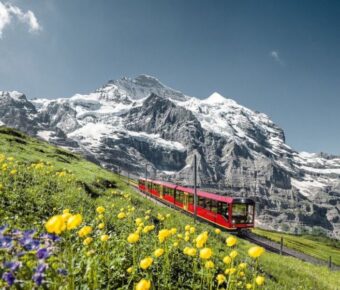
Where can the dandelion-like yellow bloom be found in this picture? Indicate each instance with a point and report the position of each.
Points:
(133, 238)
(121, 215)
(143, 285)
(187, 227)
(66, 216)
(138, 221)
(227, 260)
(168, 215)
(100, 217)
(192, 230)
(55, 224)
(104, 238)
(217, 232)
(173, 231)
(147, 217)
(205, 253)
(256, 252)
(129, 270)
(233, 254)
(259, 280)
(185, 250)
(159, 252)
(220, 279)
(242, 266)
(209, 264)
(146, 263)
(201, 240)
(231, 241)
(84, 231)
(249, 286)
(230, 271)
(163, 234)
(192, 252)
(101, 226)
(87, 241)
(175, 244)
(100, 209)
(74, 221)
(13, 172)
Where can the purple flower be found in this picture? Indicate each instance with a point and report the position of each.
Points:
(43, 253)
(38, 278)
(13, 266)
(52, 237)
(5, 242)
(9, 278)
(62, 272)
(41, 268)
(29, 244)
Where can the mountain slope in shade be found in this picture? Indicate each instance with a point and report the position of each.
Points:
(133, 122)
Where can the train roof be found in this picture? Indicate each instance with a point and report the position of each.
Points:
(203, 193)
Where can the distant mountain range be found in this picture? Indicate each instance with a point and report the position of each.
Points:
(132, 122)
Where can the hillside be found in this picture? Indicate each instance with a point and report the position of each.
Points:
(39, 181)
(131, 122)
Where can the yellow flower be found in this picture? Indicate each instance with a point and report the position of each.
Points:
(146, 263)
(192, 230)
(100, 209)
(129, 270)
(173, 231)
(241, 273)
(191, 252)
(209, 264)
(143, 285)
(230, 271)
(205, 253)
(66, 210)
(133, 238)
(159, 252)
(220, 279)
(163, 234)
(138, 221)
(84, 231)
(242, 266)
(66, 216)
(13, 172)
(101, 226)
(175, 244)
(100, 217)
(248, 286)
(187, 238)
(231, 241)
(255, 252)
(148, 211)
(146, 217)
(187, 227)
(259, 280)
(104, 238)
(55, 224)
(233, 254)
(121, 215)
(87, 241)
(201, 240)
(217, 232)
(168, 215)
(74, 221)
(226, 260)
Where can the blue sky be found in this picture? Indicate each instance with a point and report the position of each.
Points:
(278, 57)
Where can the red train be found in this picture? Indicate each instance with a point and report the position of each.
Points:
(226, 212)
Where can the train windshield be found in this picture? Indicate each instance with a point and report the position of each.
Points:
(242, 213)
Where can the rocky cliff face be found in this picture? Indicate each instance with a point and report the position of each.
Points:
(129, 123)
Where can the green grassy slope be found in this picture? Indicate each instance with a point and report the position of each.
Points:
(318, 247)
(33, 193)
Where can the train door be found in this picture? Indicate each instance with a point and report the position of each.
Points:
(161, 191)
(186, 201)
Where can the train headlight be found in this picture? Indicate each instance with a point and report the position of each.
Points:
(233, 221)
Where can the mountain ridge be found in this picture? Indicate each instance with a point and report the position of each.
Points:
(133, 122)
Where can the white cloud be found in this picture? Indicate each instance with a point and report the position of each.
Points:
(275, 55)
(8, 12)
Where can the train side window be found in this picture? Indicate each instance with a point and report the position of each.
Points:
(191, 199)
(225, 209)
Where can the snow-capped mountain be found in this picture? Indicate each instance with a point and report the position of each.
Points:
(129, 123)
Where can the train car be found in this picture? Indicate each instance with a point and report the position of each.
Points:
(227, 212)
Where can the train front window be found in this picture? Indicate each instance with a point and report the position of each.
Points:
(242, 213)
